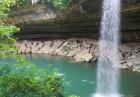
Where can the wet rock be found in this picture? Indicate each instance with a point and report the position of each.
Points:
(123, 66)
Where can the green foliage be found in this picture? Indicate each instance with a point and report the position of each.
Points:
(66, 49)
(25, 80)
(4, 8)
(6, 31)
(62, 4)
(22, 2)
(6, 41)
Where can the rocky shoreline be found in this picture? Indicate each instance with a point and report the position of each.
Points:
(82, 50)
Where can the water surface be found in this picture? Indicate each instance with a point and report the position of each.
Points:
(81, 77)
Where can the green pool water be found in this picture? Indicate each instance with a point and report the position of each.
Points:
(80, 78)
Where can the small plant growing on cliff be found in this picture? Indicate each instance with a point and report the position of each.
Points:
(62, 4)
(66, 49)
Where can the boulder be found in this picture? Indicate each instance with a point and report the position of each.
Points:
(60, 50)
(34, 44)
(135, 61)
(87, 57)
(46, 47)
(85, 44)
(37, 47)
(56, 44)
(74, 44)
(74, 52)
(84, 55)
(29, 46)
(136, 68)
(130, 63)
(18, 44)
(22, 48)
(123, 66)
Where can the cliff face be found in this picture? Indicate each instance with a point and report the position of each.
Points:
(81, 19)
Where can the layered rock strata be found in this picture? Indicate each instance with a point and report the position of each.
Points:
(82, 50)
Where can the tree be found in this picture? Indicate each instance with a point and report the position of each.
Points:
(6, 31)
(62, 4)
(22, 79)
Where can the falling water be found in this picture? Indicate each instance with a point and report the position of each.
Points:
(34, 1)
(108, 73)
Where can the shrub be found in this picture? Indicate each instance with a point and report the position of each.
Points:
(21, 80)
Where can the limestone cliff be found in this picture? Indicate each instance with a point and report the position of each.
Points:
(78, 20)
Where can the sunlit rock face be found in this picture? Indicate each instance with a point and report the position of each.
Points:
(82, 50)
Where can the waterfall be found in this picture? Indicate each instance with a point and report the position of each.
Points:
(107, 72)
(34, 1)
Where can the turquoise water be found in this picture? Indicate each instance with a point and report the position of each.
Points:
(80, 78)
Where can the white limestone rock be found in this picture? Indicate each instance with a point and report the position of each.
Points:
(56, 44)
(85, 44)
(18, 44)
(22, 48)
(34, 44)
(74, 52)
(136, 68)
(46, 47)
(84, 55)
(74, 44)
(37, 48)
(87, 57)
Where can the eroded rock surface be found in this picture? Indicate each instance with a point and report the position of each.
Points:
(82, 50)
